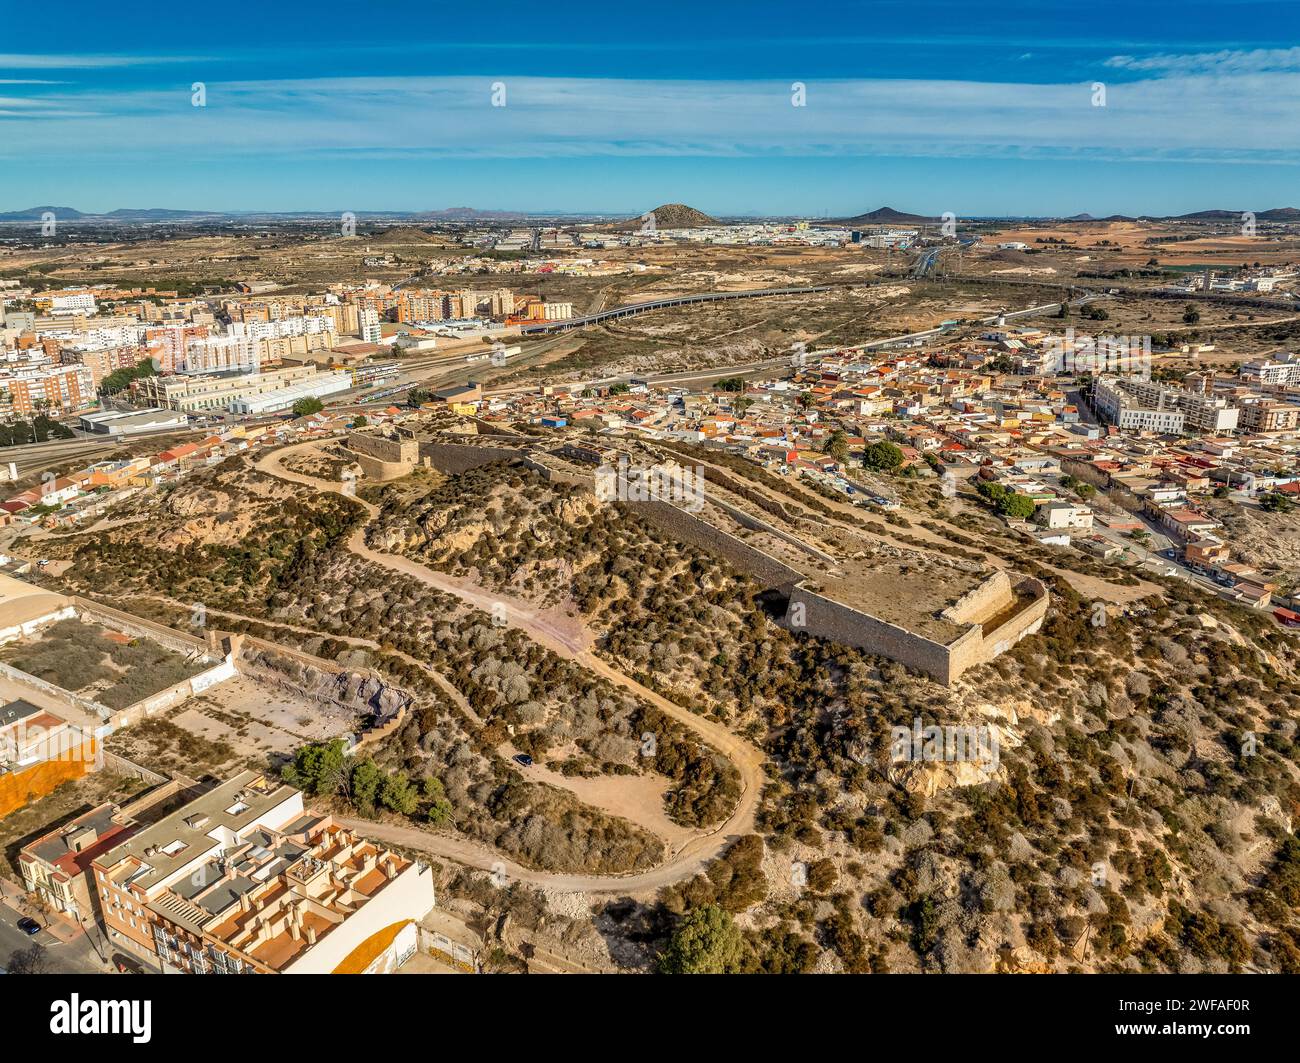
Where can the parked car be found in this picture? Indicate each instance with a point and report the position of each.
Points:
(29, 926)
(127, 964)
(523, 759)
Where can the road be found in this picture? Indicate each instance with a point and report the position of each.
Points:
(925, 262)
(568, 638)
(77, 957)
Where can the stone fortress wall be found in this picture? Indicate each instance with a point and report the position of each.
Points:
(456, 458)
(382, 459)
(996, 614)
(1014, 611)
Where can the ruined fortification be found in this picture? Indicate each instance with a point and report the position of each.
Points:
(382, 459)
(992, 616)
(996, 615)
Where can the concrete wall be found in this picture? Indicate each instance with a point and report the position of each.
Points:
(829, 619)
(983, 601)
(15, 684)
(401, 451)
(454, 458)
(129, 624)
(748, 520)
(18, 631)
(116, 765)
(1025, 622)
(833, 620)
(737, 486)
(557, 475)
(378, 471)
(173, 695)
(689, 528)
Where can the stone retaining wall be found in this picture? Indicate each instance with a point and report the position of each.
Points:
(688, 528)
(826, 618)
(455, 458)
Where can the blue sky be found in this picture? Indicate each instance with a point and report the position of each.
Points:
(977, 108)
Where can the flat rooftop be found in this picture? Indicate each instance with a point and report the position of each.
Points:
(153, 855)
(73, 846)
(909, 592)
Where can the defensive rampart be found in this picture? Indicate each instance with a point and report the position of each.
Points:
(1012, 612)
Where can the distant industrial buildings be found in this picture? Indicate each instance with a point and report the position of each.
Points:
(261, 392)
(276, 400)
(126, 423)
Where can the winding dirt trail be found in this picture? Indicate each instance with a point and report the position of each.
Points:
(568, 637)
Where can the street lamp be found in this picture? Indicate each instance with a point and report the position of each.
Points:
(81, 919)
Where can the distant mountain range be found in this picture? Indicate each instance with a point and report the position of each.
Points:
(667, 216)
(1276, 214)
(1279, 214)
(166, 214)
(72, 214)
(890, 216)
(468, 214)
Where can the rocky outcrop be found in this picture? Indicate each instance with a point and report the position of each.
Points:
(363, 693)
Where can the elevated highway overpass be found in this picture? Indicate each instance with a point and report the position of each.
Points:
(630, 309)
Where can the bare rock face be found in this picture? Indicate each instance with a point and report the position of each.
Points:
(361, 692)
(370, 692)
(393, 539)
(927, 778)
(568, 510)
(977, 760)
(198, 503)
(1022, 960)
(1271, 807)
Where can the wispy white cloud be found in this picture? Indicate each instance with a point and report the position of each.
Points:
(31, 61)
(1226, 62)
(1248, 117)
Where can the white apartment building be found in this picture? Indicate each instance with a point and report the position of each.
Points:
(244, 879)
(1133, 403)
(38, 386)
(1283, 371)
(78, 303)
(368, 326)
(215, 354)
(1201, 412)
(289, 326)
(1056, 515)
(97, 338)
(1118, 407)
